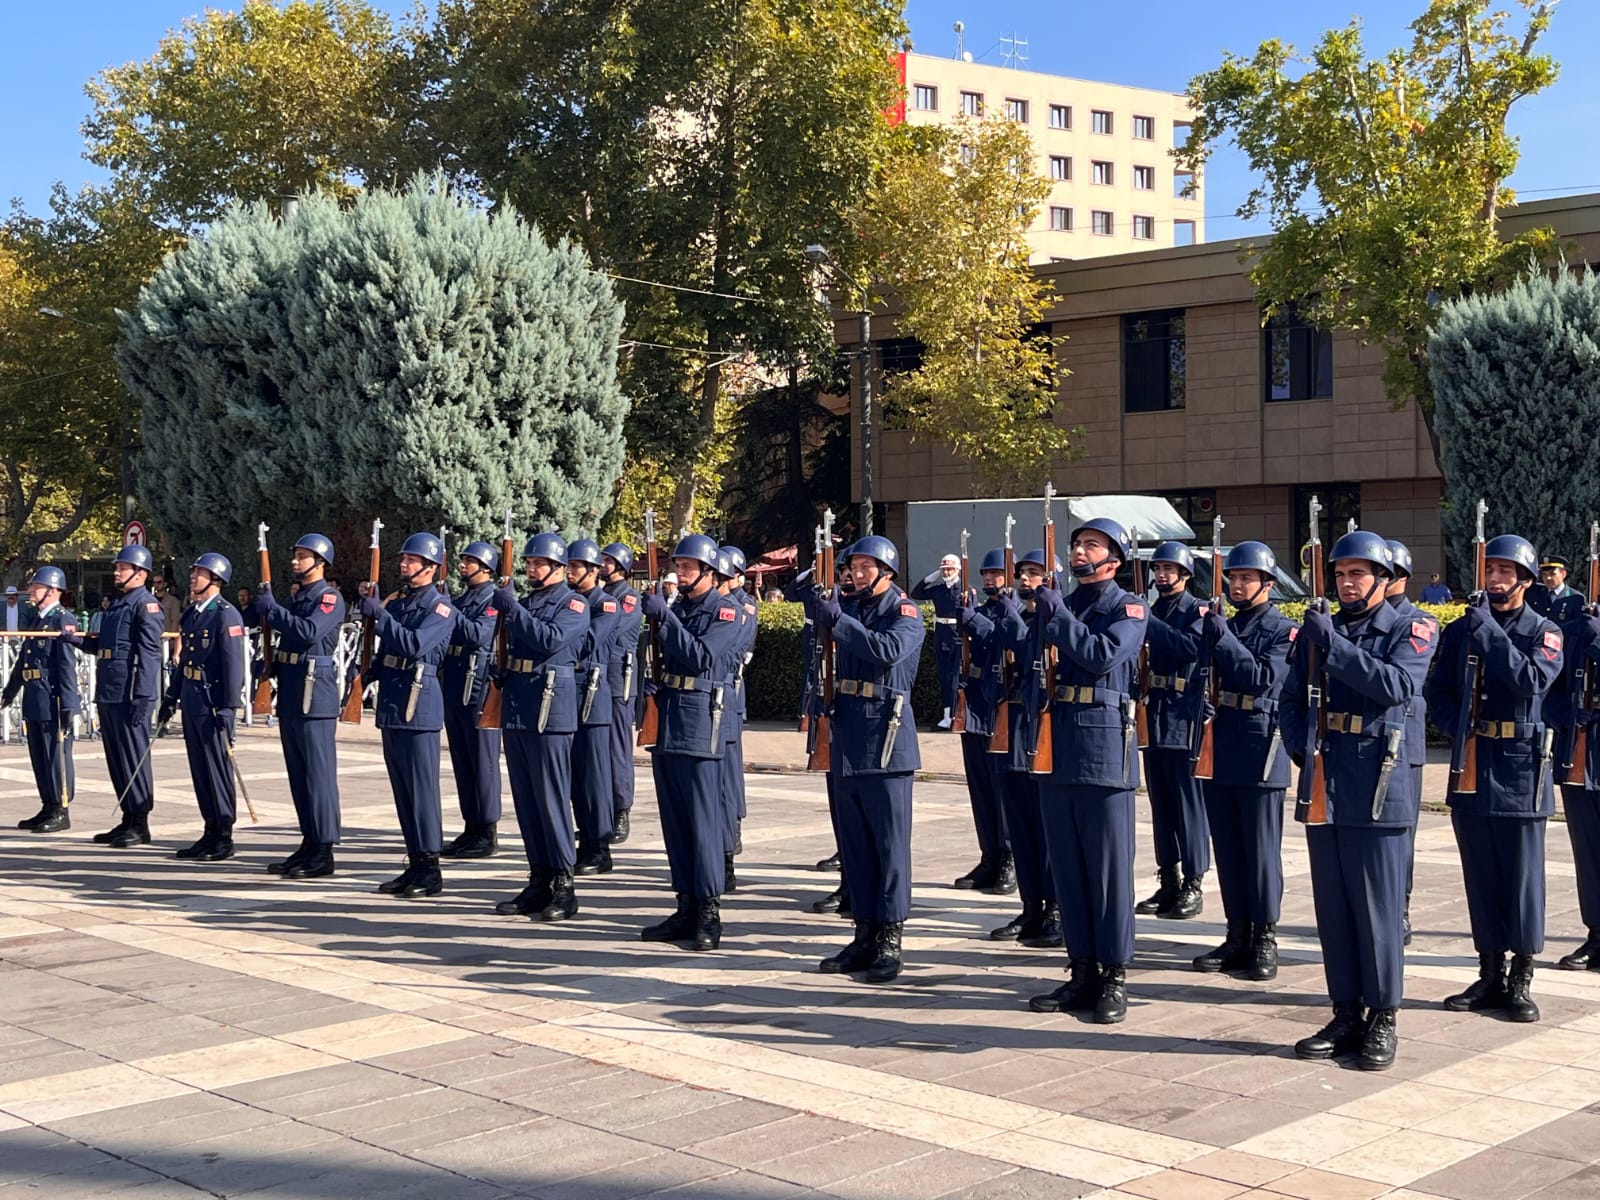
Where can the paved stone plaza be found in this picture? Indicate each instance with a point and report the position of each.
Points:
(178, 1030)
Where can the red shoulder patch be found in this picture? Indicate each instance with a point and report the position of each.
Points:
(609, 606)
(1551, 646)
(751, 609)
(1422, 630)
(152, 607)
(629, 603)
(910, 610)
(235, 631)
(442, 609)
(576, 605)
(1136, 611)
(329, 601)
(1294, 632)
(491, 611)
(725, 614)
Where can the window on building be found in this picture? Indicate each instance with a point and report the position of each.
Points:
(1296, 359)
(1180, 133)
(968, 155)
(1341, 502)
(926, 97)
(1061, 116)
(972, 103)
(1100, 120)
(1102, 223)
(1060, 219)
(1144, 179)
(1154, 361)
(1102, 172)
(1144, 129)
(1183, 185)
(1061, 167)
(1183, 233)
(1144, 229)
(1017, 110)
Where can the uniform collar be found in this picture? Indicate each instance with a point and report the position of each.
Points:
(1091, 597)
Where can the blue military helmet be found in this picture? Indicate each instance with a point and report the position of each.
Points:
(1363, 543)
(621, 555)
(1121, 543)
(584, 550)
(546, 545)
(484, 553)
(318, 545)
(736, 557)
(724, 565)
(50, 577)
(1402, 558)
(425, 546)
(698, 548)
(1511, 548)
(995, 560)
(1251, 556)
(1036, 557)
(879, 548)
(1178, 555)
(216, 564)
(136, 556)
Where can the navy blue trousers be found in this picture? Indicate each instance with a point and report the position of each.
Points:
(51, 755)
(1358, 878)
(1411, 835)
(592, 794)
(412, 757)
(1583, 827)
(205, 741)
(1088, 833)
(1502, 864)
(874, 823)
(540, 766)
(731, 783)
(983, 791)
(689, 793)
(309, 758)
(1247, 831)
(1177, 811)
(621, 755)
(947, 661)
(1019, 792)
(475, 762)
(125, 733)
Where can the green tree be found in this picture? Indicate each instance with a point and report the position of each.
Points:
(1384, 179)
(250, 105)
(701, 144)
(407, 356)
(1516, 376)
(946, 231)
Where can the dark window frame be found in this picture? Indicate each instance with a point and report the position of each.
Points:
(1296, 360)
(1155, 361)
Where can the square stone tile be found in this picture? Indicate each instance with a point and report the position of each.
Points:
(1497, 1174)
(1576, 1136)
(844, 1159)
(931, 1175)
(802, 1133)
(1583, 1186)
(676, 1132)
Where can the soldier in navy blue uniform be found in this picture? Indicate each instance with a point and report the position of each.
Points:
(1568, 705)
(464, 678)
(804, 591)
(942, 589)
(544, 634)
(1375, 664)
(1500, 827)
(413, 626)
(46, 673)
(622, 677)
(1087, 800)
(1417, 720)
(592, 793)
(733, 759)
(126, 687)
(305, 633)
(981, 684)
(208, 685)
(1020, 624)
(1177, 806)
(699, 642)
(1552, 597)
(877, 643)
(1250, 768)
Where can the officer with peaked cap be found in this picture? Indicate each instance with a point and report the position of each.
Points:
(464, 679)
(46, 673)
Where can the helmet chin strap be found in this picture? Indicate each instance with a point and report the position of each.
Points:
(1355, 610)
(1250, 600)
(1501, 599)
(1085, 569)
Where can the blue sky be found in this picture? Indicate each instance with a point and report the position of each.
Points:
(54, 48)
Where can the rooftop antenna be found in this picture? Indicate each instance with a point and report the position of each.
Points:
(961, 28)
(1011, 51)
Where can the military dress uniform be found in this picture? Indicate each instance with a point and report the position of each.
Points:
(1562, 605)
(733, 800)
(1177, 804)
(593, 795)
(945, 596)
(804, 591)
(46, 673)
(1416, 743)
(1580, 802)
(474, 753)
(207, 686)
(622, 678)
(1500, 827)
(985, 645)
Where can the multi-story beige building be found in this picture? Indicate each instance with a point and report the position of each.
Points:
(1107, 150)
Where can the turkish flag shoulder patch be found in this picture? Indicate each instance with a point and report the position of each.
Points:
(1136, 611)
(442, 609)
(1552, 644)
(235, 631)
(609, 606)
(491, 611)
(329, 600)
(725, 614)
(750, 609)
(1294, 632)
(152, 607)
(575, 604)
(629, 603)
(910, 610)
(1422, 630)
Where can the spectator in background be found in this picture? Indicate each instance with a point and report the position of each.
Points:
(99, 614)
(669, 586)
(774, 595)
(171, 616)
(1435, 592)
(13, 609)
(245, 599)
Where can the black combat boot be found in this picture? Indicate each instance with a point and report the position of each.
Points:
(708, 924)
(621, 826)
(981, 877)
(563, 902)
(220, 847)
(1049, 934)
(316, 863)
(593, 859)
(135, 832)
(282, 866)
(730, 881)
(116, 831)
(53, 819)
(1080, 992)
(1585, 958)
(857, 956)
(1488, 991)
(1009, 932)
(1379, 1042)
(885, 964)
(830, 903)
(1005, 878)
(33, 821)
(393, 887)
(676, 928)
(845, 910)
(531, 899)
(1263, 954)
(831, 863)
(1231, 955)
(1189, 902)
(476, 841)
(1342, 1035)
(1111, 1006)
(426, 882)
(1519, 980)
(1166, 892)
(198, 848)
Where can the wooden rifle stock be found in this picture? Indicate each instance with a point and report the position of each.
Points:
(352, 704)
(958, 723)
(261, 701)
(493, 714)
(804, 724)
(650, 720)
(1464, 764)
(1044, 744)
(1202, 764)
(821, 749)
(1000, 735)
(1141, 714)
(1311, 799)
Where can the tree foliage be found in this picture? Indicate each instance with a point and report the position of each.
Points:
(407, 356)
(1384, 179)
(1516, 375)
(946, 232)
(255, 104)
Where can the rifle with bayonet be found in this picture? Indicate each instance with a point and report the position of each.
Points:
(261, 701)
(820, 751)
(351, 715)
(1311, 796)
(1000, 735)
(1584, 700)
(494, 693)
(811, 666)
(1202, 735)
(1464, 750)
(1044, 746)
(958, 723)
(1141, 714)
(650, 721)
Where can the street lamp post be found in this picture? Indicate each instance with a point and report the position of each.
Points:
(128, 503)
(820, 255)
